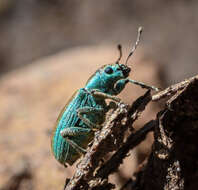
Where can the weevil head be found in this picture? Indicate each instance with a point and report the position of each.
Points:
(115, 72)
(105, 77)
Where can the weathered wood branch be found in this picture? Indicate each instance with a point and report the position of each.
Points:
(173, 164)
(173, 89)
(92, 173)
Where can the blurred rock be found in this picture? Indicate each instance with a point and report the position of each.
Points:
(5, 6)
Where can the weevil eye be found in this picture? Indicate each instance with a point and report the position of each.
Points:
(108, 70)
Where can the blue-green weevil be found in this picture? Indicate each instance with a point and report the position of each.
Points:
(86, 110)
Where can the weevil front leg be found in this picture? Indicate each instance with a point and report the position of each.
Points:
(72, 132)
(120, 85)
(87, 110)
(143, 85)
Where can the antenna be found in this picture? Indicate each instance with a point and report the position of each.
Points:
(140, 29)
(120, 52)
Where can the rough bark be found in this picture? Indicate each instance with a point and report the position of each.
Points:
(173, 163)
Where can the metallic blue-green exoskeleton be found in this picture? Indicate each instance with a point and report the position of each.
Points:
(85, 112)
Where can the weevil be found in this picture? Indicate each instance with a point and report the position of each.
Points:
(85, 112)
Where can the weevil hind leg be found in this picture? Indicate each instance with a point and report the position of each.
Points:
(76, 147)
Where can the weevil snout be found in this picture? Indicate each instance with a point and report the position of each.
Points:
(125, 70)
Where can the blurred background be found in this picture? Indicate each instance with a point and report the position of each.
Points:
(49, 48)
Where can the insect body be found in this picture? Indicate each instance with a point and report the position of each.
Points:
(85, 112)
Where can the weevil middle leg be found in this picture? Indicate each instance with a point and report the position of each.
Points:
(76, 147)
(90, 110)
(102, 95)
